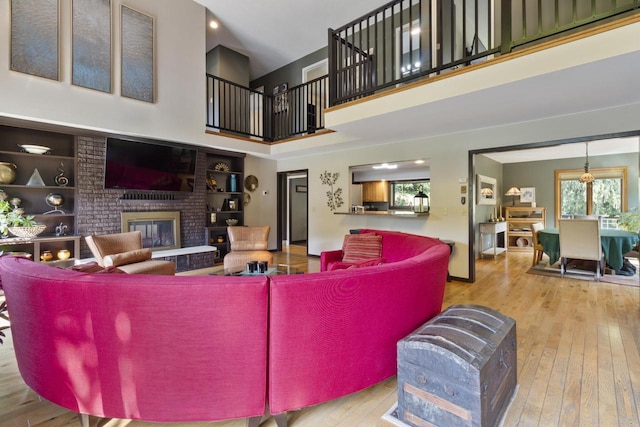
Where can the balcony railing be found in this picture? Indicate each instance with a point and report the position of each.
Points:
(235, 109)
(409, 39)
(399, 42)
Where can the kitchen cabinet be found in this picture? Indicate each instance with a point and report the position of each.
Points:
(376, 191)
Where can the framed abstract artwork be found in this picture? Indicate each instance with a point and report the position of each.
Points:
(35, 38)
(91, 44)
(137, 49)
(528, 194)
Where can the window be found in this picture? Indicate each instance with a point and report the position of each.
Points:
(606, 196)
(402, 193)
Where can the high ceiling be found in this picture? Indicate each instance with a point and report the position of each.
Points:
(277, 32)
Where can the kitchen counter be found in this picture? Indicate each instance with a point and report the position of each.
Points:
(397, 214)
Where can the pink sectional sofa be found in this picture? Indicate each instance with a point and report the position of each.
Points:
(333, 333)
(196, 348)
(149, 347)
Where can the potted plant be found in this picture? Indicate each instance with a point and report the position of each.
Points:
(629, 221)
(14, 220)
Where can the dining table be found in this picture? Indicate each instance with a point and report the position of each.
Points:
(615, 243)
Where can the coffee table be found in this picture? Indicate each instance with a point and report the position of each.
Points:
(273, 270)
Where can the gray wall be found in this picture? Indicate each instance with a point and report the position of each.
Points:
(541, 176)
(290, 74)
(298, 211)
(487, 167)
(229, 65)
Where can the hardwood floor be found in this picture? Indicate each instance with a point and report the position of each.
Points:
(578, 356)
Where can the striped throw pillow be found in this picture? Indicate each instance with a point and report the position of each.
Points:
(357, 247)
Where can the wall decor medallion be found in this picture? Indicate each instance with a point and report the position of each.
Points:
(221, 167)
(251, 183)
(334, 196)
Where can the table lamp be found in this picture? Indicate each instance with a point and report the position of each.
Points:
(513, 191)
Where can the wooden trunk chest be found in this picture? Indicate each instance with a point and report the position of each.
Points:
(458, 369)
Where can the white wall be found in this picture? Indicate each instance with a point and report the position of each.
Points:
(448, 156)
(262, 210)
(179, 111)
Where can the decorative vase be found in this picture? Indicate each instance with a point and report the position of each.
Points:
(46, 256)
(233, 184)
(7, 172)
(63, 254)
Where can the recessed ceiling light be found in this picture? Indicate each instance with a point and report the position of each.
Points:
(213, 24)
(385, 166)
(419, 162)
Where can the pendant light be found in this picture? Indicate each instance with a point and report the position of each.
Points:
(586, 177)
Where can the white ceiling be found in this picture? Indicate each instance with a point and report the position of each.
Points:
(568, 151)
(277, 32)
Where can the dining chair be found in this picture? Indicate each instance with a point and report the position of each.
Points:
(537, 247)
(581, 216)
(580, 239)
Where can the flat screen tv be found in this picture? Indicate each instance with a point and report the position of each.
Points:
(133, 165)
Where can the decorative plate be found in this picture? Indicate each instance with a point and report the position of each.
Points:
(221, 166)
(35, 149)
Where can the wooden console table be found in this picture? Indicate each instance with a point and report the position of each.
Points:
(493, 229)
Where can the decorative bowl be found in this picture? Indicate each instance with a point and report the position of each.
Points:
(232, 221)
(35, 149)
(27, 231)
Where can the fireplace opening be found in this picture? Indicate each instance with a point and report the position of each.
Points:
(160, 230)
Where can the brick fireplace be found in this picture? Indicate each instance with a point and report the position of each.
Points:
(99, 211)
(160, 230)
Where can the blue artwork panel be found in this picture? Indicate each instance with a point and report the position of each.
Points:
(91, 39)
(34, 37)
(137, 55)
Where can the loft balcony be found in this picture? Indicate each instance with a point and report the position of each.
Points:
(401, 46)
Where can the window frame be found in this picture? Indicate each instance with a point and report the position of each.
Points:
(599, 173)
(392, 198)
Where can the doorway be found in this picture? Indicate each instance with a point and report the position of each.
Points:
(293, 205)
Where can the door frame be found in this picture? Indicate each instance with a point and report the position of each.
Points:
(283, 210)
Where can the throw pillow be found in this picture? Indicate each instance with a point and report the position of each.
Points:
(129, 257)
(94, 267)
(347, 265)
(360, 247)
(356, 237)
